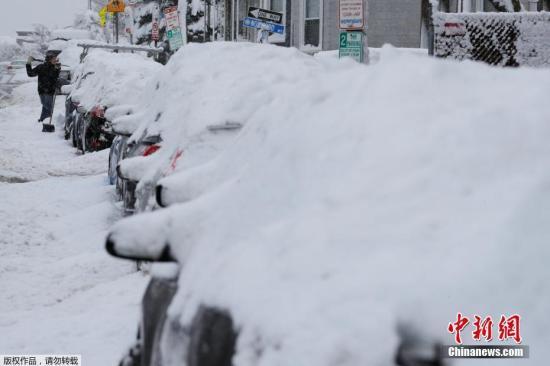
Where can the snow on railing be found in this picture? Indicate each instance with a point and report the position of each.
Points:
(503, 39)
(120, 47)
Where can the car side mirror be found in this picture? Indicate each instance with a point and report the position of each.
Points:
(153, 253)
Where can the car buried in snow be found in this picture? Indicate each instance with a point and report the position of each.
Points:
(336, 229)
(103, 80)
(164, 139)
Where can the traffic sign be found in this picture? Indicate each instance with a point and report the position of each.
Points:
(173, 28)
(351, 45)
(116, 6)
(155, 30)
(259, 24)
(351, 15)
(266, 15)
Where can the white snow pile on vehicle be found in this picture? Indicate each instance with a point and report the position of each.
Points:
(197, 93)
(359, 198)
(109, 79)
(9, 49)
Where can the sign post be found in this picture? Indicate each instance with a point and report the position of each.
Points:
(353, 25)
(173, 28)
(351, 45)
(352, 16)
(155, 31)
(115, 7)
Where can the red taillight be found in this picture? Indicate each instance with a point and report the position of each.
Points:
(175, 159)
(151, 150)
(98, 112)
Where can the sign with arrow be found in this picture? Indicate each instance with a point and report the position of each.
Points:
(265, 15)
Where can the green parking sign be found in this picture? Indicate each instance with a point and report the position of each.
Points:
(351, 45)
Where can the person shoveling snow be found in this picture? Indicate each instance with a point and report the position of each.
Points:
(48, 73)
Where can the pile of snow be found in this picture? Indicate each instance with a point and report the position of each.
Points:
(9, 49)
(109, 79)
(196, 91)
(70, 53)
(90, 22)
(70, 33)
(358, 198)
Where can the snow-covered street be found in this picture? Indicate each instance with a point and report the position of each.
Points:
(275, 183)
(56, 206)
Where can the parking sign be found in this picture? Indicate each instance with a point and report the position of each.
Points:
(351, 45)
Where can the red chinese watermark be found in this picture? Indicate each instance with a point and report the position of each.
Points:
(508, 328)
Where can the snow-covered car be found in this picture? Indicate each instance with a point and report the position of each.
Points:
(16, 65)
(102, 81)
(341, 229)
(192, 114)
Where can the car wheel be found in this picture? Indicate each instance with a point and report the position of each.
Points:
(128, 196)
(113, 157)
(74, 136)
(78, 131)
(213, 338)
(85, 142)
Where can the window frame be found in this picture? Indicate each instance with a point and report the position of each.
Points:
(266, 4)
(303, 4)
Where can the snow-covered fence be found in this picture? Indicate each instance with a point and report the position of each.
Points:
(503, 39)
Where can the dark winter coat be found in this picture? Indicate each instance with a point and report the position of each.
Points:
(47, 77)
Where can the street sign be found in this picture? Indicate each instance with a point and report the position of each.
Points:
(351, 45)
(266, 15)
(175, 38)
(173, 28)
(116, 6)
(103, 16)
(258, 24)
(351, 15)
(155, 31)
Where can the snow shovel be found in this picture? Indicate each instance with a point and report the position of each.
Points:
(49, 127)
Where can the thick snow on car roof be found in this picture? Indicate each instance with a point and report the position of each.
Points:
(359, 198)
(70, 33)
(196, 91)
(113, 78)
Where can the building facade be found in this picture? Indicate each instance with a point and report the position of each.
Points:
(312, 25)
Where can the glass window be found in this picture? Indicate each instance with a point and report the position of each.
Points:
(312, 23)
(313, 8)
(311, 32)
(278, 5)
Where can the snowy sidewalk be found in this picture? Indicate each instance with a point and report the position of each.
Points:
(61, 292)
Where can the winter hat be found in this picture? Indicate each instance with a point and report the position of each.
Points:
(50, 55)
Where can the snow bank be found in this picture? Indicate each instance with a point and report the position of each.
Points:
(197, 90)
(113, 78)
(357, 198)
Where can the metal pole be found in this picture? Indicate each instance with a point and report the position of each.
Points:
(116, 28)
(89, 4)
(233, 20)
